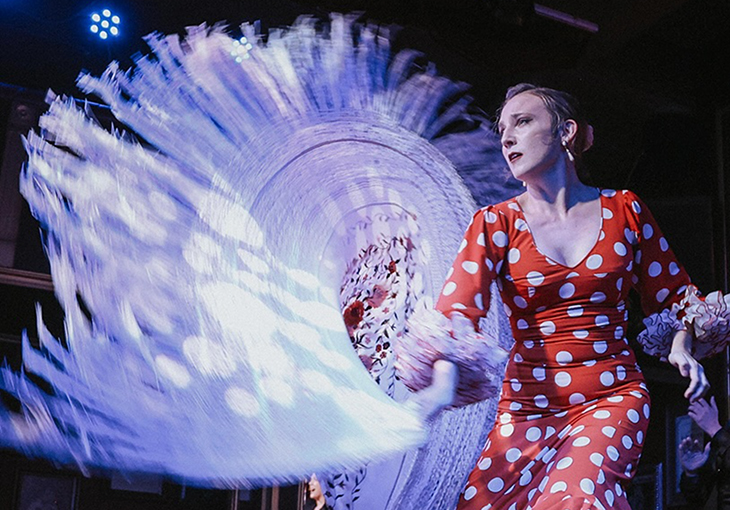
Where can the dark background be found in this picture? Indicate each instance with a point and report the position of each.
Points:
(653, 80)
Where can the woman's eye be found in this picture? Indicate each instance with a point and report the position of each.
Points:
(523, 121)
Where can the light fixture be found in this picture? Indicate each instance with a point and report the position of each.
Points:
(105, 24)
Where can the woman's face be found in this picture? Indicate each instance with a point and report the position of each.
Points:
(315, 490)
(529, 144)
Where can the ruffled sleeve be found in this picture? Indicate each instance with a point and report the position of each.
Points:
(710, 320)
(669, 300)
(450, 331)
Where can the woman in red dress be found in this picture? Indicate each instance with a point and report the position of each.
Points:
(574, 407)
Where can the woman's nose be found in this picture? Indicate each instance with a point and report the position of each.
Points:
(507, 140)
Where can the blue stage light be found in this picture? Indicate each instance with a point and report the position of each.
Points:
(105, 24)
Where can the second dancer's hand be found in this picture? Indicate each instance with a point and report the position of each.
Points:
(681, 357)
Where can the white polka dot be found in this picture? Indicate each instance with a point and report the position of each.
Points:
(520, 224)
(513, 454)
(636, 207)
(495, 484)
(547, 328)
(607, 378)
(609, 498)
(479, 300)
(526, 478)
(662, 295)
(619, 490)
(458, 306)
(589, 363)
(470, 266)
(541, 401)
(610, 193)
(640, 437)
(596, 459)
(507, 309)
(646, 411)
(627, 442)
(576, 398)
(558, 487)
(567, 290)
(464, 244)
(535, 278)
(648, 231)
(449, 288)
(522, 324)
(505, 418)
(602, 414)
(587, 485)
(594, 261)
(538, 373)
(481, 240)
(563, 379)
(563, 357)
(663, 244)
(549, 455)
(533, 434)
(619, 333)
(575, 310)
(600, 347)
(655, 269)
(564, 463)
(515, 406)
(615, 399)
(633, 416)
(581, 441)
(470, 492)
(607, 214)
(490, 264)
(520, 302)
(500, 239)
(620, 284)
(549, 431)
(490, 217)
(598, 297)
(621, 372)
(484, 464)
(581, 333)
(602, 321)
(620, 249)
(612, 453)
(513, 255)
(529, 344)
(507, 430)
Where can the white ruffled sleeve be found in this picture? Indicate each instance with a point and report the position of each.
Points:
(432, 336)
(710, 320)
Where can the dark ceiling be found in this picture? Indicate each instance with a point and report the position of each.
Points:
(673, 45)
(651, 66)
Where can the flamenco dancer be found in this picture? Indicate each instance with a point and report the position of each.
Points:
(574, 408)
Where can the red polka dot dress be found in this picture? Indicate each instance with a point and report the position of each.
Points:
(574, 408)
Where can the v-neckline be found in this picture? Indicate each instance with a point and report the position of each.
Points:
(548, 257)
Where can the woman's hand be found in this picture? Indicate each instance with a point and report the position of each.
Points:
(681, 357)
(705, 415)
(429, 401)
(692, 456)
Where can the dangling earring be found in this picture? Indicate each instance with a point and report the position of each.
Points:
(567, 150)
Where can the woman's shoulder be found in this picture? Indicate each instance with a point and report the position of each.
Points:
(624, 198)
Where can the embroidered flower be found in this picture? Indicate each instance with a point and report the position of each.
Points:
(353, 314)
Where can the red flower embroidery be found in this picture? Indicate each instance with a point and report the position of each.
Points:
(353, 314)
(378, 296)
(392, 267)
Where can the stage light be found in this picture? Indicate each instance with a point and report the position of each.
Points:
(105, 24)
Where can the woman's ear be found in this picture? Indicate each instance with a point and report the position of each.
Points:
(568, 132)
